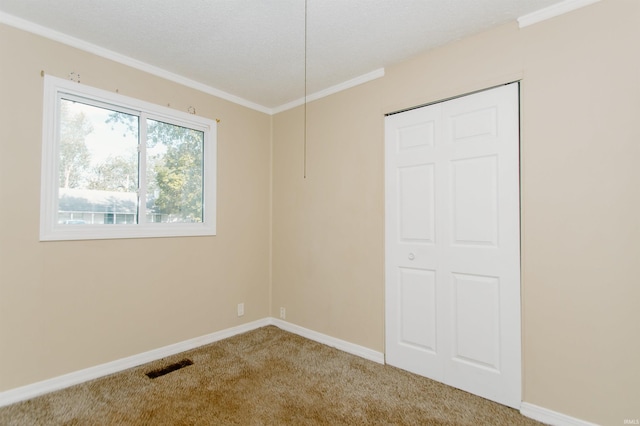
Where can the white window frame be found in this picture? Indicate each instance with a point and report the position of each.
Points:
(50, 230)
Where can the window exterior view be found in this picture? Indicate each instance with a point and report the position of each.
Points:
(117, 168)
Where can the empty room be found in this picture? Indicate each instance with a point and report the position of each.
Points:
(320, 212)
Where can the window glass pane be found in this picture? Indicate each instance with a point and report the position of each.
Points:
(174, 173)
(98, 165)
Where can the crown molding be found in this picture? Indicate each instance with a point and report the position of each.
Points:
(5, 18)
(331, 90)
(553, 11)
(77, 43)
(48, 33)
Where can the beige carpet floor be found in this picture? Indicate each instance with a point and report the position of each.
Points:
(263, 377)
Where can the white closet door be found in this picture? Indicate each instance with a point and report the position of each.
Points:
(452, 243)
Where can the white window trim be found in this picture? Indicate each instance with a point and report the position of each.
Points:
(50, 230)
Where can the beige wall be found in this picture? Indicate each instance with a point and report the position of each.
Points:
(328, 228)
(65, 306)
(580, 150)
(70, 305)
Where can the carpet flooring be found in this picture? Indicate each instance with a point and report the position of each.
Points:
(263, 377)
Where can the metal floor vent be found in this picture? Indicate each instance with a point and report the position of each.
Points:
(169, 368)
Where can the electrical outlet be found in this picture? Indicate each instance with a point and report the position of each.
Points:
(240, 309)
(283, 313)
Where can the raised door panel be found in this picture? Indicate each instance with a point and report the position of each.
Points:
(474, 194)
(416, 203)
(476, 326)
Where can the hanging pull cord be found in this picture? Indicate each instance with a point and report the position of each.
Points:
(305, 93)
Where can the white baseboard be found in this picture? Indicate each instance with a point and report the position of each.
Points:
(343, 345)
(550, 417)
(529, 410)
(56, 383)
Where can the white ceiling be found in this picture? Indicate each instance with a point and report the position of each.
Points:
(255, 49)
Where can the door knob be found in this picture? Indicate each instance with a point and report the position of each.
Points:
(411, 256)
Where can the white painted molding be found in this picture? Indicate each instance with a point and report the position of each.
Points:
(550, 417)
(48, 33)
(331, 90)
(56, 383)
(45, 32)
(553, 11)
(342, 345)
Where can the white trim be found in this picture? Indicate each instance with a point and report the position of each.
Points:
(551, 417)
(31, 391)
(331, 90)
(31, 27)
(48, 33)
(56, 383)
(342, 345)
(552, 11)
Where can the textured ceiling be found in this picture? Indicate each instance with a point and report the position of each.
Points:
(255, 49)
